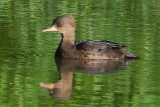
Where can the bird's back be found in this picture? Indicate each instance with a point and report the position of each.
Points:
(97, 49)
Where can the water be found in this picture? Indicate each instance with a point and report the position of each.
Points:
(27, 54)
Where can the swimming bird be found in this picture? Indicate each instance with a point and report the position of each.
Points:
(85, 49)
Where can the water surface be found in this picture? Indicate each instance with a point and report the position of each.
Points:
(27, 54)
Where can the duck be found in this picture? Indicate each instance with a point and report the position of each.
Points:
(84, 49)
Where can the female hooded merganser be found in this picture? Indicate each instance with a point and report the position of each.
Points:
(86, 49)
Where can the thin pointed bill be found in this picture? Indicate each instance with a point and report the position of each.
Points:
(52, 28)
(45, 85)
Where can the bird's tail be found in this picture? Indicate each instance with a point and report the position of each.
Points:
(128, 54)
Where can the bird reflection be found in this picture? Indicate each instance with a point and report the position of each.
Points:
(63, 87)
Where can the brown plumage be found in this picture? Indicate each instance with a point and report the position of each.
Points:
(86, 49)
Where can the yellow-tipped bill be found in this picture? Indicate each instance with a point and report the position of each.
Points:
(45, 85)
(52, 28)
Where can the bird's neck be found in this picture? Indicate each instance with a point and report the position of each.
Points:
(66, 46)
(68, 39)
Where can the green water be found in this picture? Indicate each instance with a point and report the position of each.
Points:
(27, 54)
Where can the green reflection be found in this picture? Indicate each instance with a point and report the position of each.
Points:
(27, 54)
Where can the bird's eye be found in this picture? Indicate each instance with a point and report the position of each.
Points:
(59, 24)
